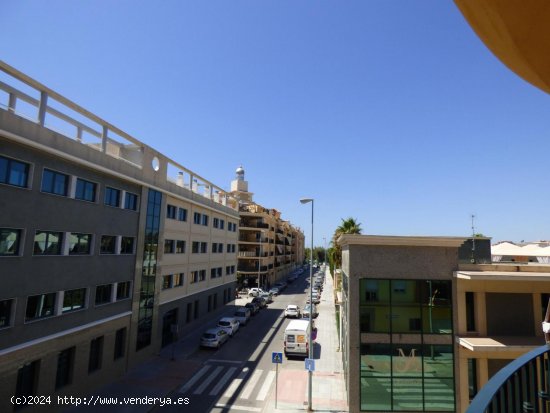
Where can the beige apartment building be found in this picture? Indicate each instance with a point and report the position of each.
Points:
(108, 249)
(269, 247)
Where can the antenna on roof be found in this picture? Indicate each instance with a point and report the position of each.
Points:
(473, 259)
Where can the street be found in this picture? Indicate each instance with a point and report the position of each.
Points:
(240, 376)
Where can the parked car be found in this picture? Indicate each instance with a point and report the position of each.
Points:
(306, 310)
(214, 337)
(242, 315)
(315, 298)
(229, 324)
(260, 301)
(292, 311)
(253, 307)
(274, 291)
(254, 292)
(267, 297)
(280, 285)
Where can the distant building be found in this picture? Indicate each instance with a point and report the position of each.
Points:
(269, 247)
(423, 327)
(107, 247)
(506, 251)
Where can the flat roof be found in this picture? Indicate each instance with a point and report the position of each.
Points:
(501, 344)
(392, 240)
(502, 275)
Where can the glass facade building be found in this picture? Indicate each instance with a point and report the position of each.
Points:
(405, 370)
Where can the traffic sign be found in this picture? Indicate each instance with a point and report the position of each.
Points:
(276, 357)
(310, 364)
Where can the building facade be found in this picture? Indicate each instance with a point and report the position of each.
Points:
(108, 249)
(426, 321)
(269, 247)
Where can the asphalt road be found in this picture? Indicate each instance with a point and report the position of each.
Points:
(240, 376)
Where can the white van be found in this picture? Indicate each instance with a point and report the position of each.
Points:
(296, 338)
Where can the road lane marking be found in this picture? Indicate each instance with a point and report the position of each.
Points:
(194, 379)
(266, 386)
(255, 378)
(236, 407)
(222, 382)
(209, 380)
(236, 383)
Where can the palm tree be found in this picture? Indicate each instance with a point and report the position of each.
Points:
(348, 226)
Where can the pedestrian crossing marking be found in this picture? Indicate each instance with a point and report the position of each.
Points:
(222, 382)
(194, 379)
(266, 386)
(236, 383)
(236, 407)
(255, 378)
(209, 380)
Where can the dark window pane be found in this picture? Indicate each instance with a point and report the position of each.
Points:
(375, 394)
(47, 243)
(439, 395)
(9, 241)
(27, 379)
(103, 294)
(40, 306)
(96, 354)
(182, 214)
(127, 245)
(130, 202)
(80, 244)
(13, 172)
(85, 190)
(5, 313)
(123, 290)
(55, 182)
(112, 197)
(108, 244)
(407, 394)
(120, 343)
(74, 299)
(65, 365)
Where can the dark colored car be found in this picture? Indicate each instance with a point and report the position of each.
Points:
(260, 301)
(254, 308)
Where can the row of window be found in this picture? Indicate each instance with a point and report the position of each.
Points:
(193, 307)
(28, 375)
(173, 212)
(172, 280)
(217, 247)
(63, 243)
(16, 173)
(62, 302)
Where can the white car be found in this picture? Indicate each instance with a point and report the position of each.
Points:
(214, 337)
(242, 314)
(292, 311)
(229, 324)
(254, 292)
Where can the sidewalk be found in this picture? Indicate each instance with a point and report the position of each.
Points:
(328, 390)
(161, 375)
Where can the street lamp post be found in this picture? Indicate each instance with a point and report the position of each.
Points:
(310, 373)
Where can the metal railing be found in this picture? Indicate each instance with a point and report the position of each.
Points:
(520, 387)
(27, 98)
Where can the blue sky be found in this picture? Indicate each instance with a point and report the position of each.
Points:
(392, 112)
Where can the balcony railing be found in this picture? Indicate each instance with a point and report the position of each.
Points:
(25, 97)
(523, 386)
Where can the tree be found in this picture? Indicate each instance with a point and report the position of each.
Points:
(348, 226)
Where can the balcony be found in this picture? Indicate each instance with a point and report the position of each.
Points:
(251, 268)
(522, 386)
(250, 224)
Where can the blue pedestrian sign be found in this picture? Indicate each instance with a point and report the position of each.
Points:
(276, 357)
(310, 364)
